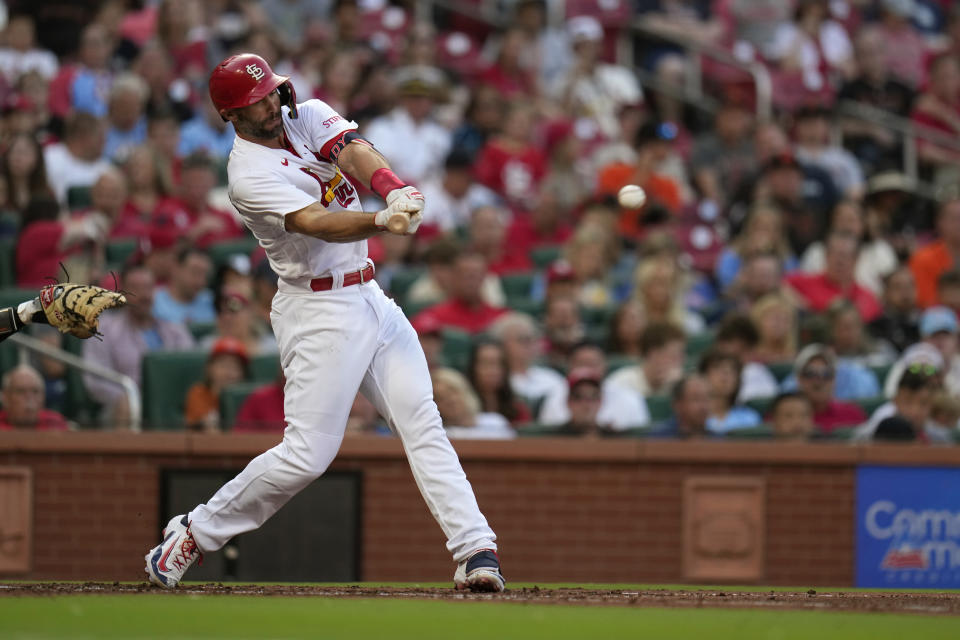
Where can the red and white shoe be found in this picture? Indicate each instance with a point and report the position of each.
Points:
(169, 560)
(480, 572)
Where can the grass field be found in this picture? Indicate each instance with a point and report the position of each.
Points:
(161, 615)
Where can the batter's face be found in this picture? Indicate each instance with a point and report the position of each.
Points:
(260, 120)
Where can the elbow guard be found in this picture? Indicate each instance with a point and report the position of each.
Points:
(331, 150)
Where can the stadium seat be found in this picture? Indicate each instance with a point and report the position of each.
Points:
(402, 281)
(265, 367)
(7, 273)
(660, 408)
(598, 316)
(167, 376)
(118, 251)
(618, 361)
(755, 433)
(201, 330)
(881, 371)
(11, 297)
(231, 399)
(78, 198)
(411, 309)
(538, 430)
(760, 405)
(221, 251)
(869, 405)
(697, 344)
(456, 348)
(542, 257)
(517, 285)
(780, 370)
(530, 307)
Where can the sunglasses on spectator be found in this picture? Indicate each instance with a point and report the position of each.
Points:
(817, 374)
(922, 368)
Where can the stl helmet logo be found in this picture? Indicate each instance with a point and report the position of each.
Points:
(255, 71)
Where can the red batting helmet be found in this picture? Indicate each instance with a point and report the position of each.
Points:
(246, 78)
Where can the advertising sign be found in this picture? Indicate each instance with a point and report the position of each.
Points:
(908, 527)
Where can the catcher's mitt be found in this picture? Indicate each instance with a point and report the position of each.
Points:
(76, 308)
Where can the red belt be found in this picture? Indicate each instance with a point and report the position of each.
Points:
(354, 277)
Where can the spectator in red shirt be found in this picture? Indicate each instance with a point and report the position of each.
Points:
(199, 222)
(510, 163)
(262, 411)
(815, 368)
(22, 395)
(938, 109)
(46, 241)
(933, 260)
(465, 309)
(488, 236)
(508, 74)
(547, 224)
(149, 193)
(837, 280)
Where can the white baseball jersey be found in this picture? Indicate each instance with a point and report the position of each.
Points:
(266, 184)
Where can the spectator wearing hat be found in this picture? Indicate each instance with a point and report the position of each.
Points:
(592, 88)
(791, 417)
(186, 299)
(584, 399)
(461, 412)
(897, 324)
(452, 196)
(837, 280)
(664, 194)
(523, 342)
(690, 402)
(408, 136)
(510, 164)
(78, 160)
(228, 363)
(133, 331)
(465, 308)
(620, 408)
(930, 262)
(938, 329)
(21, 394)
(874, 145)
(815, 371)
(812, 135)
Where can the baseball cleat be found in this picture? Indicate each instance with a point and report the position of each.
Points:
(169, 560)
(480, 572)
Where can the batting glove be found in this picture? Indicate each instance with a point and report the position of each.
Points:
(407, 198)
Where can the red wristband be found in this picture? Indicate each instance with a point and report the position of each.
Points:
(383, 181)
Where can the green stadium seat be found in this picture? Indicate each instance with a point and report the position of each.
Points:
(78, 198)
(221, 251)
(167, 376)
(881, 372)
(201, 330)
(517, 285)
(618, 361)
(697, 344)
(411, 309)
(869, 405)
(660, 408)
(456, 348)
(842, 433)
(598, 316)
(12, 296)
(542, 257)
(539, 430)
(530, 307)
(118, 251)
(7, 271)
(401, 281)
(760, 405)
(231, 399)
(761, 432)
(780, 370)
(265, 367)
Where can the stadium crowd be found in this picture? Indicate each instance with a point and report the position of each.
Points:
(785, 276)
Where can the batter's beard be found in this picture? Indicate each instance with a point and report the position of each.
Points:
(257, 130)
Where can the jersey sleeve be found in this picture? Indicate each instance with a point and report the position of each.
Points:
(323, 124)
(269, 196)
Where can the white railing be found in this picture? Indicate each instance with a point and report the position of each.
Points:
(26, 343)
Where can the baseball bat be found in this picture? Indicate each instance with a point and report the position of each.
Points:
(398, 222)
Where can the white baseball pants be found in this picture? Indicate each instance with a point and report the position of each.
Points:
(332, 343)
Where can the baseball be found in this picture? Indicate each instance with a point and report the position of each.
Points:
(631, 197)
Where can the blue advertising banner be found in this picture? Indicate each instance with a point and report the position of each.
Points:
(908, 527)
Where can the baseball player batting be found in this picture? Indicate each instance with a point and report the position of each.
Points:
(336, 329)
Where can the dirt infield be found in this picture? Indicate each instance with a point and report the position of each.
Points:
(922, 603)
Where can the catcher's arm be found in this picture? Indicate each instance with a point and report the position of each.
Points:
(12, 319)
